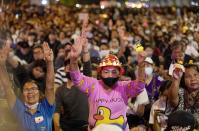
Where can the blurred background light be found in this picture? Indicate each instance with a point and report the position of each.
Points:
(102, 7)
(44, 2)
(77, 5)
(147, 5)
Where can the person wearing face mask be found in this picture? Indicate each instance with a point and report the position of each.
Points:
(147, 32)
(32, 115)
(191, 51)
(153, 81)
(108, 97)
(114, 46)
(191, 39)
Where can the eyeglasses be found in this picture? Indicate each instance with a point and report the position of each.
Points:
(33, 89)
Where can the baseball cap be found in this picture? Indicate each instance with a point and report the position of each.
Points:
(149, 60)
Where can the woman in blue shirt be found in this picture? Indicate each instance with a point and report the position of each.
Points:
(31, 115)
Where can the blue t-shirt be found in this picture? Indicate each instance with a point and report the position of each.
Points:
(41, 120)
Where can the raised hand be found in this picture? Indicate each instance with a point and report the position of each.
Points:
(84, 27)
(80, 42)
(83, 34)
(76, 48)
(121, 32)
(48, 53)
(141, 57)
(4, 53)
(177, 74)
(4, 77)
(110, 24)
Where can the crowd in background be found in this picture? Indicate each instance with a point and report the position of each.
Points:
(168, 35)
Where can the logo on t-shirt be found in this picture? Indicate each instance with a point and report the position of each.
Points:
(102, 100)
(103, 116)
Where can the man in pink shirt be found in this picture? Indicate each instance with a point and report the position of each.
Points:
(108, 97)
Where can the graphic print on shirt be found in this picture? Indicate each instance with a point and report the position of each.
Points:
(103, 117)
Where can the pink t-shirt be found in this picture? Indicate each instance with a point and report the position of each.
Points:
(107, 107)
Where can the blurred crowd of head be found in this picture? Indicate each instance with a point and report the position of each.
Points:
(159, 30)
(168, 35)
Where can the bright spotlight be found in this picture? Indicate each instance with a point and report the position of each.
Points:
(77, 5)
(44, 2)
(102, 6)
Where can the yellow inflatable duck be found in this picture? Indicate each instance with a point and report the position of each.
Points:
(184, 29)
(103, 117)
(190, 61)
(179, 65)
(139, 47)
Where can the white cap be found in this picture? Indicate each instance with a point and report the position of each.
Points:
(107, 127)
(149, 60)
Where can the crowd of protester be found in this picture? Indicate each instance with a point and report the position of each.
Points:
(40, 39)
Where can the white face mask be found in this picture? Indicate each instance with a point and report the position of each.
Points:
(130, 39)
(89, 35)
(103, 53)
(147, 32)
(114, 51)
(190, 38)
(148, 71)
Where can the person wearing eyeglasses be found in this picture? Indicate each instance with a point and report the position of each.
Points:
(32, 115)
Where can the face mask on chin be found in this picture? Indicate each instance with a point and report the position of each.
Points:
(110, 81)
(31, 106)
